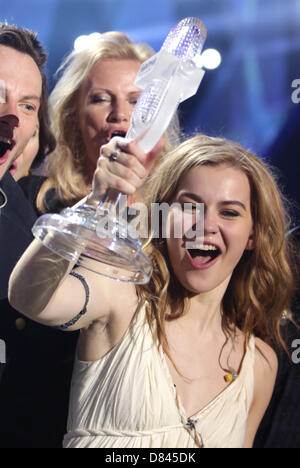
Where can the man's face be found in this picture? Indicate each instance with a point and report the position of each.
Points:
(20, 94)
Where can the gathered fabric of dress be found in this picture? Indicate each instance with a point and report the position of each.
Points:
(127, 399)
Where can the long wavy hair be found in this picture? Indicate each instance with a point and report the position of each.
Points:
(66, 167)
(261, 284)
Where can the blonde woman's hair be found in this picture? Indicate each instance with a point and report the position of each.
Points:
(66, 165)
(261, 284)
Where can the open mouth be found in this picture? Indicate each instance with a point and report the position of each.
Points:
(6, 145)
(203, 255)
(116, 133)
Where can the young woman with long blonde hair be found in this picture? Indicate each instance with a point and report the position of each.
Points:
(186, 360)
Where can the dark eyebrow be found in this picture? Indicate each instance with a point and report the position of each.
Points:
(97, 88)
(30, 97)
(195, 197)
(109, 91)
(234, 202)
(192, 196)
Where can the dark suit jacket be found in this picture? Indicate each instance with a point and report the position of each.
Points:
(280, 425)
(16, 221)
(1, 369)
(35, 382)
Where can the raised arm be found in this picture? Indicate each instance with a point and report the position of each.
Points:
(41, 286)
(42, 289)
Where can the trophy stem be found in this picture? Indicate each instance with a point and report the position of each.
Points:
(110, 200)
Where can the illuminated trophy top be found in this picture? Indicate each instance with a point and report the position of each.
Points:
(168, 78)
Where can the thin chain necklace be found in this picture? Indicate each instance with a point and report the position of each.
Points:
(5, 199)
(231, 372)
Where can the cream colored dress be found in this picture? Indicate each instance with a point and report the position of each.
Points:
(127, 399)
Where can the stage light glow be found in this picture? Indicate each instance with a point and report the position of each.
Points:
(211, 59)
(82, 42)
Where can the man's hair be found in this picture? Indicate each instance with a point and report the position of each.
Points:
(26, 42)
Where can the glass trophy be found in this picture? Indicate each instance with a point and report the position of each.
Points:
(97, 237)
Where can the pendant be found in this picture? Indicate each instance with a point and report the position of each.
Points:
(231, 376)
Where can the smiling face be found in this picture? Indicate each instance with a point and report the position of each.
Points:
(21, 89)
(107, 99)
(225, 193)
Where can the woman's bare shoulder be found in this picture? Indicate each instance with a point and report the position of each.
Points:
(265, 371)
(266, 361)
(265, 356)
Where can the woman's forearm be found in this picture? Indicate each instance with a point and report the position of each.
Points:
(35, 279)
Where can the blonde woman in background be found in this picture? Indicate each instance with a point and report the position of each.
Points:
(91, 103)
(186, 360)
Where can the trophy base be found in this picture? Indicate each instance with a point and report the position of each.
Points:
(80, 236)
